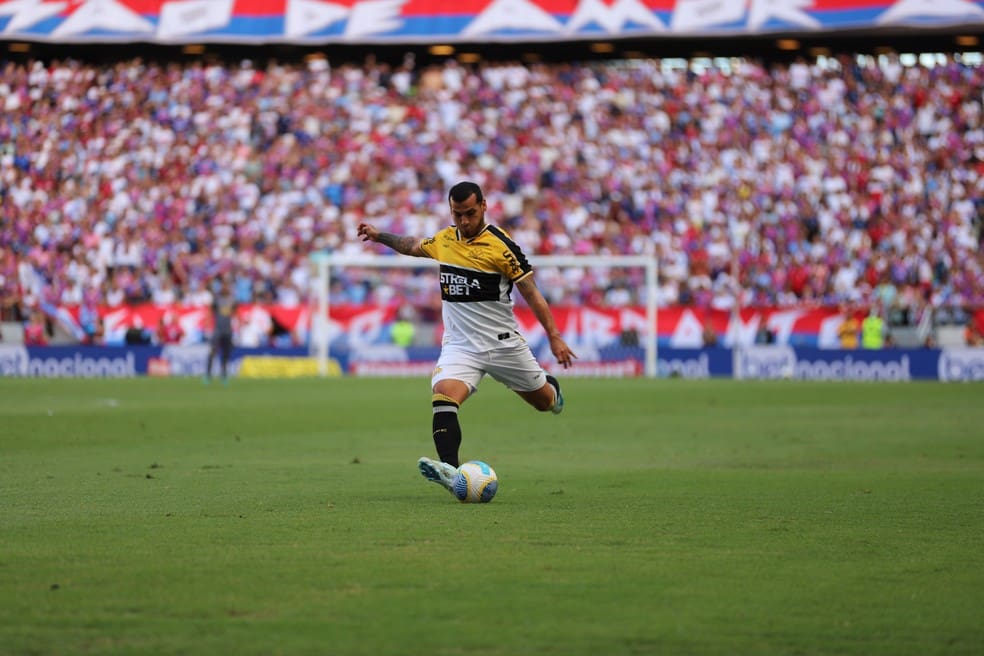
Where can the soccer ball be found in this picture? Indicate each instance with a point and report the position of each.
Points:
(475, 482)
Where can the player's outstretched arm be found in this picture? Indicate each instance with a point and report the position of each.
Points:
(527, 287)
(399, 243)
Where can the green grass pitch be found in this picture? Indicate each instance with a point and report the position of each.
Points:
(156, 516)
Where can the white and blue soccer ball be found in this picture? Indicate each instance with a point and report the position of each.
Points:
(475, 482)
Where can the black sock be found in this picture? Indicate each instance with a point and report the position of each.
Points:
(556, 384)
(447, 430)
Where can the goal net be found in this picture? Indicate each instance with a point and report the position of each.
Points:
(546, 268)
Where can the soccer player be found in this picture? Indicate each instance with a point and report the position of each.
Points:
(223, 318)
(479, 266)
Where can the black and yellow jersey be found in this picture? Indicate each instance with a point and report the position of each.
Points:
(477, 277)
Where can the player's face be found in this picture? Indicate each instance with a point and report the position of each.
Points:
(469, 216)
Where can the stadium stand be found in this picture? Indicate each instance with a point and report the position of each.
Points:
(829, 180)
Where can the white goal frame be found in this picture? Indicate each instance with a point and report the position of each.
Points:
(324, 262)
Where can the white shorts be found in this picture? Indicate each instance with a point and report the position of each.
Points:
(514, 366)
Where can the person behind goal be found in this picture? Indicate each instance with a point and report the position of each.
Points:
(479, 265)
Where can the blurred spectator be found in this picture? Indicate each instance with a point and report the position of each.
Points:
(972, 334)
(223, 328)
(629, 338)
(36, 330)
(873, 329)
(764, 336)
(849, 328)
(98, 335)
(137, 334)
(169, 330)
(90, 321)
(403, 330)
(710, 336)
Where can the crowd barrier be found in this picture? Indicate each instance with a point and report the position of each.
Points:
(748, 363)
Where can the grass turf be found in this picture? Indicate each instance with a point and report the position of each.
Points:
(670, 516)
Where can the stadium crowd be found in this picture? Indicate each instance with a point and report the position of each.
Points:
(849, 180)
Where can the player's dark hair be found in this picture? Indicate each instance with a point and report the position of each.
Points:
(461, 191)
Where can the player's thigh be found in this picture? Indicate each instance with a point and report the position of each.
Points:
(458, 365)
(517, 369)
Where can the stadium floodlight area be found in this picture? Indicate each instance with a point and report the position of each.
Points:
(325, 262)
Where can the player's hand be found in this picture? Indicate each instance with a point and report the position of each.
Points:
(565, 356)
(368, 232)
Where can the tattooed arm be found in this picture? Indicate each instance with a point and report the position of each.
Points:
(399, 243)
(541, 310)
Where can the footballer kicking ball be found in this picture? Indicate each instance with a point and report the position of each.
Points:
(475, 482)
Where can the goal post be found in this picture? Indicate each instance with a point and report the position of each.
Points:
(325, 262)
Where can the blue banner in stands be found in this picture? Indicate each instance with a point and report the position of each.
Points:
(752, 363)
